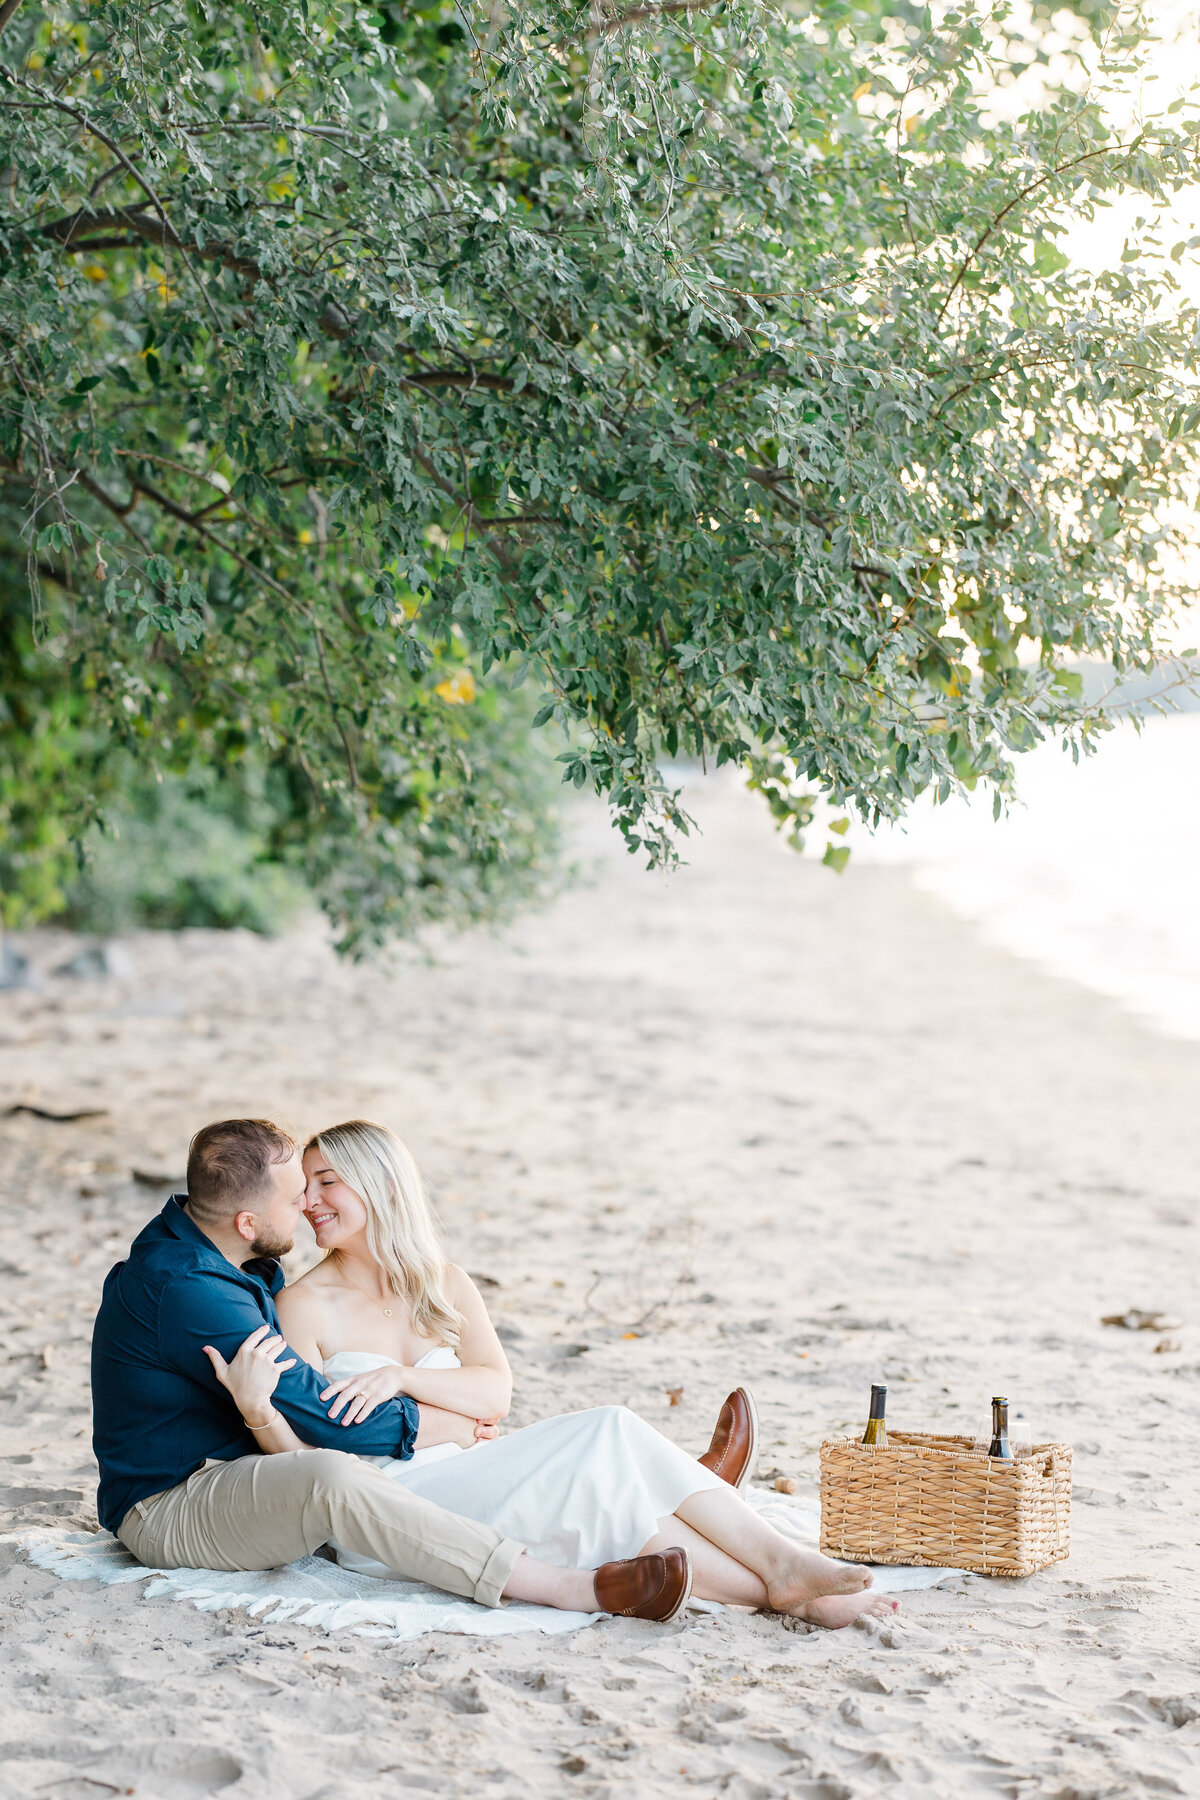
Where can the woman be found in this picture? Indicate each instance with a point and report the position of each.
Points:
(386, 1314)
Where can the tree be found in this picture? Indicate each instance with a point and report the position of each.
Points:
(713, 364)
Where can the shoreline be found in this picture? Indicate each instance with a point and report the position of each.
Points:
(1093, 874)
(798, 1130)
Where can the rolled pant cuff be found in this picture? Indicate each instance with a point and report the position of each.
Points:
(497, 1572)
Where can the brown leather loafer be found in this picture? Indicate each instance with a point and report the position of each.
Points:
(646, 1587)
(734, 1448)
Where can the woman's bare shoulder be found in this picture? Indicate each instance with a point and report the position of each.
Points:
(458, 1282)
(464, 1295)
(308, 1292)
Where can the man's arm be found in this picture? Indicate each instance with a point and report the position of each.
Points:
(252, 1378)
(202, 1307)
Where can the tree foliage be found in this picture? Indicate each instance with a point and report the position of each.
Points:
(713, 365)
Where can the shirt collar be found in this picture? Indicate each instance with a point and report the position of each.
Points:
(181, 1225)
(265, 1269)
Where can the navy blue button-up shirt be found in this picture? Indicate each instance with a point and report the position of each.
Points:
(159, 1412)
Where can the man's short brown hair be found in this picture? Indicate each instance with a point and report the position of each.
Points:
(229, 1166)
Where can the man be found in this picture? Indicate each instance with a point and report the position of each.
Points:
(182, 1481)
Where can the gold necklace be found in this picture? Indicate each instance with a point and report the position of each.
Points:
(385, 1310)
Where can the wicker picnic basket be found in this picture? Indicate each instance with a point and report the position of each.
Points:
(938, 1502)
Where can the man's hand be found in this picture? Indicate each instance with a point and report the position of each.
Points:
(254, 1373)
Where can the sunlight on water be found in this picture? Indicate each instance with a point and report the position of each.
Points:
(1096, 876)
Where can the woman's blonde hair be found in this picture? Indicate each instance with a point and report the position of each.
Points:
(402, 1234)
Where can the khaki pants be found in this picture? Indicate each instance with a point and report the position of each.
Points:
(262, 1511)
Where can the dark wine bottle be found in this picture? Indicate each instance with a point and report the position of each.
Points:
(999, 1446)
(876, 1432)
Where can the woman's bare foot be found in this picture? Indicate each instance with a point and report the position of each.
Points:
(804, 1576)
(836, 1610)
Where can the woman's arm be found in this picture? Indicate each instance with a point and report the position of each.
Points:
(440, 1427)
(276, 1435)
(251, 1378)
(300, 1321)
(480, 1389)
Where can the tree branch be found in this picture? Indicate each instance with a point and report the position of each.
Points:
(333, 321)
(191, 520)
(115, 507)
(168, 462)
(336, 710)
(499, 551)
(1032, 188)
(158, 231)
(81, 118)
(520, 519)
(460, 379)
(640, 14)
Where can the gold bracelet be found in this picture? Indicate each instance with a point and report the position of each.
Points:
(266, 1423)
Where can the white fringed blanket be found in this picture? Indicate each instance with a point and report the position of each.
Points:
(317, 1593)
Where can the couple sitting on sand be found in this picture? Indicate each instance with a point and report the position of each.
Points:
(372, 1428)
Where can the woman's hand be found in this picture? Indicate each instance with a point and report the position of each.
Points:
(253, 1375)
(361, 1394)
(486, 1429)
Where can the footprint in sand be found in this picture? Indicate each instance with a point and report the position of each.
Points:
(158, 1772)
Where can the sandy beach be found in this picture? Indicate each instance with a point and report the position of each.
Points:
(753, 1123)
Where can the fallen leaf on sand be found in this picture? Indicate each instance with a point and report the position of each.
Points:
(57, 1118)
(1137, 1320)
(675, 1396)
(1165, 1346)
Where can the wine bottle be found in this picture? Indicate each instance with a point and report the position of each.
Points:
(999, 1447)
(876, 1432)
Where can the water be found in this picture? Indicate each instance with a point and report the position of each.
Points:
(1096, 875)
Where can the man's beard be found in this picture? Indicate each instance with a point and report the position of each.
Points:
(269, 1243)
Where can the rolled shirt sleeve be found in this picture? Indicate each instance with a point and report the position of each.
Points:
(202, 1307)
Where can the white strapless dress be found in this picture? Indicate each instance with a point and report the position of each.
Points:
(577, 1491)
